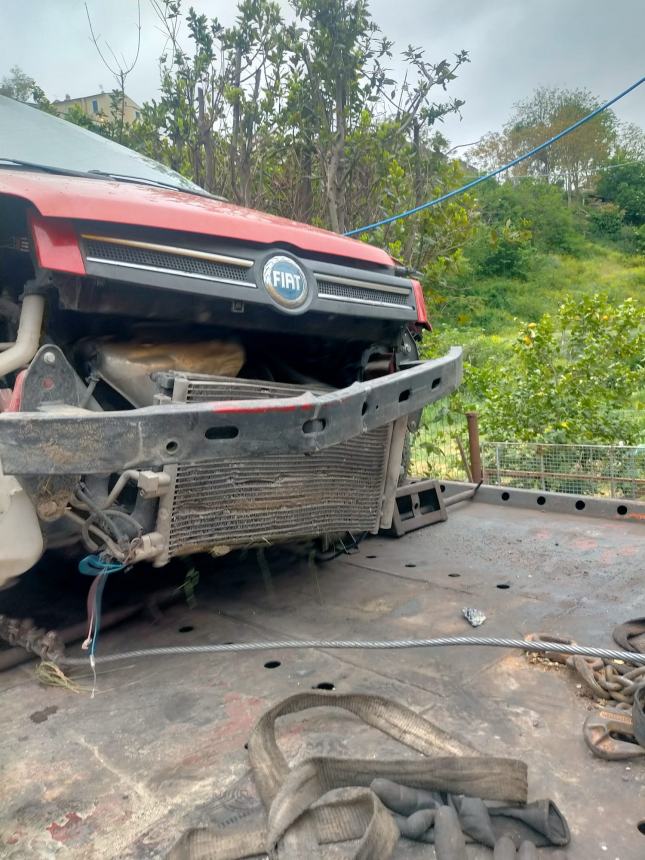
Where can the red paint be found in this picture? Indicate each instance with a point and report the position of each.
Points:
(238, 408)
(16, 395)
(64, 832)
(422, 311)
(56, 245)
(113, 202)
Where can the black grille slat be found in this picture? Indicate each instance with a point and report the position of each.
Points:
(329, 289)
(132, 256)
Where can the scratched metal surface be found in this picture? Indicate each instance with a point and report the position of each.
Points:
(161, 746)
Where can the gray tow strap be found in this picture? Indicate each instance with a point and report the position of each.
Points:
(301, 814)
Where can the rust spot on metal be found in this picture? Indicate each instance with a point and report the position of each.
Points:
(64, 832)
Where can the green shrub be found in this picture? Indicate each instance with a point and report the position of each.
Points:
(606, 220)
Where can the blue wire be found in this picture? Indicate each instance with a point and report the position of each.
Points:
(94, 565)
(499, 170)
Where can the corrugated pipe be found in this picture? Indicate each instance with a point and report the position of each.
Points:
(25, 347)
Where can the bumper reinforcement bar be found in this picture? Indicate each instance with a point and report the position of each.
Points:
(74, 441)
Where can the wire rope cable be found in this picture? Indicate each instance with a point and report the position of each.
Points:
(376, 644)
(501, 169)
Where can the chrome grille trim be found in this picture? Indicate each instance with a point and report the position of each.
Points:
(156, 258)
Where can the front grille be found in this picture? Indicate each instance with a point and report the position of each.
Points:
(129, 255)
(370, 295)
(240, 501)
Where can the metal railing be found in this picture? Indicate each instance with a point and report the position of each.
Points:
(447, 446)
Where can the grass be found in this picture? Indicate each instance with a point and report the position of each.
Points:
(498, 305)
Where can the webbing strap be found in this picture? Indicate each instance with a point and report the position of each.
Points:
(302, 814)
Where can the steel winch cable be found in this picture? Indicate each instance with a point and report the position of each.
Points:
(375, 644)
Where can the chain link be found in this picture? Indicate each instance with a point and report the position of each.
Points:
(23, 633)
(606, 680)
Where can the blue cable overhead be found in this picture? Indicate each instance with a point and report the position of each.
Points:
(498, 170)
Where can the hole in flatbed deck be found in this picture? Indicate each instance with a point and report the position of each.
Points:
(622, 510)
(503, 585)
(454, 574)
(186, 628)
(410, 565)
(505, 497)
(541, 500)
(580, 505)
(272, 664)
(641, 827)
(324, 685)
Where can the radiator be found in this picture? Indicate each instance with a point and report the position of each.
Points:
(236, 501)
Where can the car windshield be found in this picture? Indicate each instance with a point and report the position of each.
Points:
(33, 139)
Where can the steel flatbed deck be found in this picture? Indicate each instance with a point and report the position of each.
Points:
(160, 748)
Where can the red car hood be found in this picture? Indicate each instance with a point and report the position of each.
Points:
(111, 201)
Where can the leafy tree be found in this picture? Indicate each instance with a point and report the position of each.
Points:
(571, 162)
(17, 85)
(569, 379)
(541, 207)
(623, 182)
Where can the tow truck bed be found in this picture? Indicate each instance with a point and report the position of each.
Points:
(161, 746)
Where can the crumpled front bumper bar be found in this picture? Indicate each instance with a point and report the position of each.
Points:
(82, 442)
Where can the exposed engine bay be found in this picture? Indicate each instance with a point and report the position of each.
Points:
(91, 345)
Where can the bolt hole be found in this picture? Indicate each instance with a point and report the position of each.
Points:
(641, 827)
(371, 556)
(171, 446)
(541, 500)
(228, 432)
(436, 382)
(404, 395)
(442, 487)
(622, 510)
(314, 425)
(272, 664)
(246, 745)
(580, 505)
(454, 575)
(186, 628)
(324, 685)
(503, 585)
(410, 565)
(505, 497)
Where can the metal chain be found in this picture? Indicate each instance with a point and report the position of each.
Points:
(608, 680)
(604, 678)
(22, 632)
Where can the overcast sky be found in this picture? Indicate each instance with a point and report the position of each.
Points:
(514, 45)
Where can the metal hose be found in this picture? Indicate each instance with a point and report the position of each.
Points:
(21, 352)
(377, 644)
